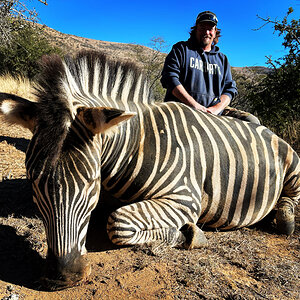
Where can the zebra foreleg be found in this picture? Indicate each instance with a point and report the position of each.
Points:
(285, 216)
(154, 224)
(190, 236)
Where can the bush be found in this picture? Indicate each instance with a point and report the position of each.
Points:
(276, 98)
(152, 60)
(276, 101)
(21, 57)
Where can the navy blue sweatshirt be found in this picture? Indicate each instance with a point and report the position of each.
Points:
(205, 75)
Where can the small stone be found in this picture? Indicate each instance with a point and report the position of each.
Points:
(10, 288)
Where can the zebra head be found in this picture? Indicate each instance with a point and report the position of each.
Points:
(63, 162)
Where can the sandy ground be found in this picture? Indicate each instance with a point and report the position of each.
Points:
(252, 263)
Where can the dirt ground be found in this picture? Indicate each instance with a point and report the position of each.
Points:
(252, 263)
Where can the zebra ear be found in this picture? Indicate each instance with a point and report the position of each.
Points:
(102, 119)
(17, 110)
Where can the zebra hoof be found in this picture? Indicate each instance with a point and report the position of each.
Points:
(285, 220)
(194, 236)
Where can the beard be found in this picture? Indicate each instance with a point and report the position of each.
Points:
(206, 40)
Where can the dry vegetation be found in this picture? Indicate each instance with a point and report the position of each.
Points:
(253, 263)
(18, 86)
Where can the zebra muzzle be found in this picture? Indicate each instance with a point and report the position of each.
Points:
(65, 272)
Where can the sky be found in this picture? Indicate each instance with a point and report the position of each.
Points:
(139, 21)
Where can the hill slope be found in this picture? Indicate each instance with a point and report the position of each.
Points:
(71, 44)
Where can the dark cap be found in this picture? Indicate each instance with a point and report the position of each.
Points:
(207, 16)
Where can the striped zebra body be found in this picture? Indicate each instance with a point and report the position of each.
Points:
(226, 173)
(172, 166)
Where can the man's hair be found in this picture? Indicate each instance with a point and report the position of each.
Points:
(216, 39)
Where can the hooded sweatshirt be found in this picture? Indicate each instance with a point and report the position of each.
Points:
(205, 75)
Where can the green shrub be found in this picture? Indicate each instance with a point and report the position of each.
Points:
(275, 98)
(21, 56)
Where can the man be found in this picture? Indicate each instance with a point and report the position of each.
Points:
(197, 74)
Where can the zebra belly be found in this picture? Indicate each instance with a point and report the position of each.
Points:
(238, 211)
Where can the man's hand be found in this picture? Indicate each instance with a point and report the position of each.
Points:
(180, 93)
(216, 109)
(200, 107)
(213, 110)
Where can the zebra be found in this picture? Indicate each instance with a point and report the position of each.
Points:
(96, 128)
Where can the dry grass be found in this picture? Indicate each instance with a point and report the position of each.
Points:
(13, 138)
(18, 86)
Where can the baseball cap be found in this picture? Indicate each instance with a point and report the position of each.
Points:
(207, 16)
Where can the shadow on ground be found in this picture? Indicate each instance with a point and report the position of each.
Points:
(19, 263)
(19, 143)
(97, 238)
(16, 199)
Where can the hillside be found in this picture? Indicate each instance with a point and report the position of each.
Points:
(71, 44)
(149, 59)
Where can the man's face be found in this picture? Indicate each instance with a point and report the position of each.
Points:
(206, 32)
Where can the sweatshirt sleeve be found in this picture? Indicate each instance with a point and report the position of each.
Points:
(171, 70)
(230, 88)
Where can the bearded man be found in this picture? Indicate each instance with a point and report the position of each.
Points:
(197, 74)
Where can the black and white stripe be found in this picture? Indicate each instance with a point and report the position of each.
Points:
(172, 165)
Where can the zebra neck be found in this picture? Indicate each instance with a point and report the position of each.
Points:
(119, 148)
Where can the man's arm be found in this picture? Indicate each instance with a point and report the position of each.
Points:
(180, 93)
(216, 109)
(228, 93)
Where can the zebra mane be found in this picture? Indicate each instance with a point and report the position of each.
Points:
(93, 79)
(88, 79)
